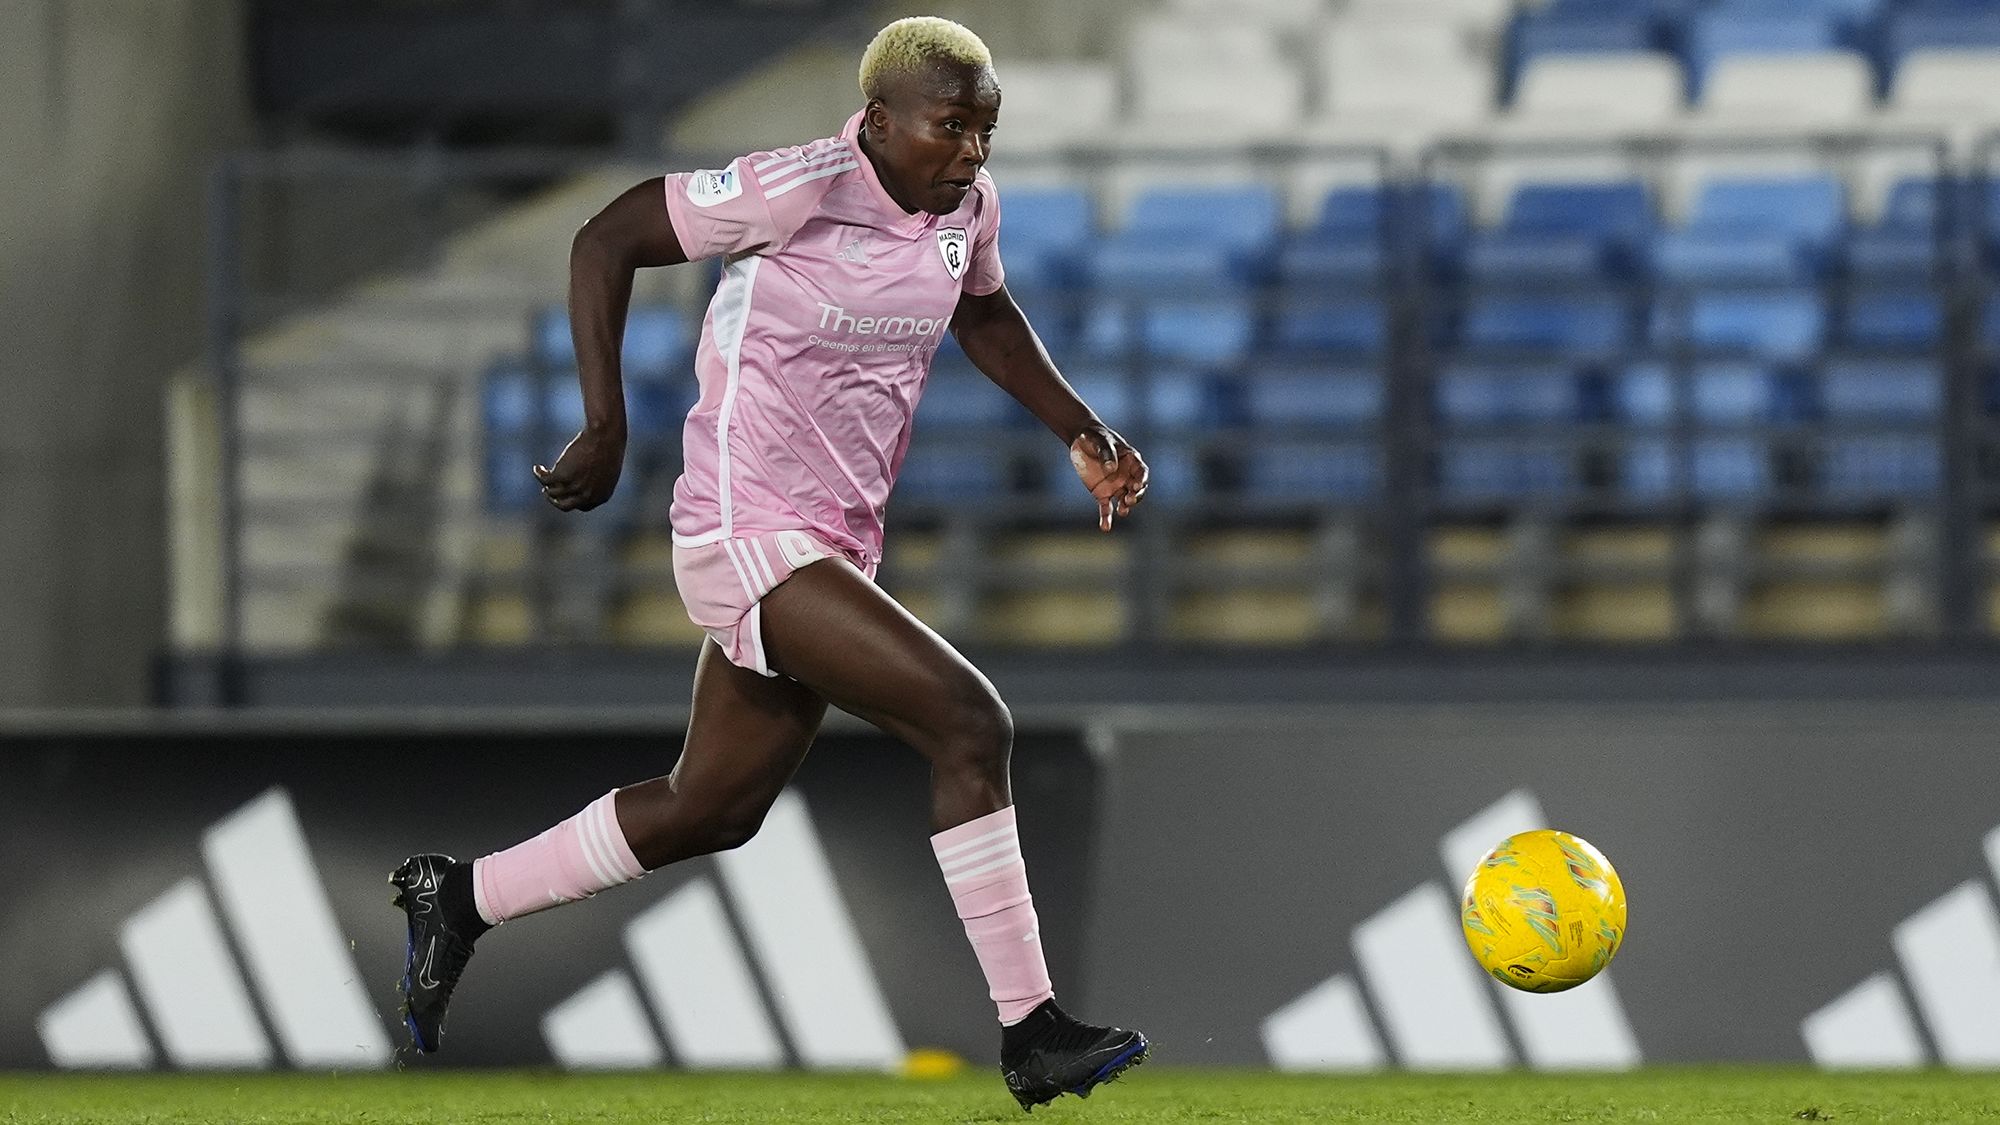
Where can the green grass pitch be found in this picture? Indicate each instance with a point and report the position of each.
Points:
(1155, 1094)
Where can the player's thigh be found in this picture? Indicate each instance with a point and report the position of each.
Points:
(831, 628)
(746, 735)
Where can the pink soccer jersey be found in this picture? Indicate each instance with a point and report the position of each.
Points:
(819, 338)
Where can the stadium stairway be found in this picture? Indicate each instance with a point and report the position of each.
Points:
(360, 436)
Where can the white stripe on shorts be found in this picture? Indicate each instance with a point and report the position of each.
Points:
(742, 573)
(764, 564)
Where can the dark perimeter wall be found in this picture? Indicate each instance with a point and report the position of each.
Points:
(111, 113)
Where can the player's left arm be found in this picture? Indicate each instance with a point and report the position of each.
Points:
(997, 338)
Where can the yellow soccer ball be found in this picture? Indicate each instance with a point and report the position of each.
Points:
(1544, 911)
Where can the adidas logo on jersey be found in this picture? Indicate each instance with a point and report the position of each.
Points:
(853, 252)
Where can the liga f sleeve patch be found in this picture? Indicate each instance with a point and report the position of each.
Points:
(711, 187)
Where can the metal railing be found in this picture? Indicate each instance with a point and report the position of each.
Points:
(1370, 554)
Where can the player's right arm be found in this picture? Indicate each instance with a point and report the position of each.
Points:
(631, 232)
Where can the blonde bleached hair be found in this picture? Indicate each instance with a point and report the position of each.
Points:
(914, 42)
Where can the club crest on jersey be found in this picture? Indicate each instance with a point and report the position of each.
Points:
(952, 248)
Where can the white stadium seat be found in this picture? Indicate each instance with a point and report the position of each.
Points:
(1212, 105)
(1627, 90)
(1482, 14)
(1053, 104)
(1954, 82)
(1289, 14)
(1375, 45)
(1402, 78)
(1167, 42)
(1447, 93)
(1832, 88)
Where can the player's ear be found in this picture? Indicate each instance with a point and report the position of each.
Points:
(875, 117)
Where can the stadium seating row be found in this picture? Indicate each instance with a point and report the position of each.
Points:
(1208, 72)
(1789, 229)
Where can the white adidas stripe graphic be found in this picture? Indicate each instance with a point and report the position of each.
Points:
(1949, 953)
(1437, 1008)
(692, 971)
(189, 984)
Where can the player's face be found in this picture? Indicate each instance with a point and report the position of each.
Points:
(933, 132)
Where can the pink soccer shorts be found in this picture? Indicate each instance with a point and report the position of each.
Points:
(723, 583)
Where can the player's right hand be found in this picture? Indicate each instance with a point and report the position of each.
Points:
(587, 472)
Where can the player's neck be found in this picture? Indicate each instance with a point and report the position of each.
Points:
(881, 171)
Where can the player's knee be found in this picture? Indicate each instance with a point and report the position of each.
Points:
(981, 731)
(726, 830)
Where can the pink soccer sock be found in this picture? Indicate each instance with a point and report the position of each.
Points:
(576, 859)
(988, 880)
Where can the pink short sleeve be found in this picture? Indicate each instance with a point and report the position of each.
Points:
(983, 274)
(727, 211)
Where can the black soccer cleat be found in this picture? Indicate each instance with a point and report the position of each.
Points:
(436, 953)
(1051, 1053)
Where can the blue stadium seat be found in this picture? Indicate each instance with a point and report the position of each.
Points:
(1754, 230)
(1904, 241)
(1341, 398)
(1726, 257)
(1485, 471)
(1347, 246)
(1983, 205)
(1298, 472)
(1328, 260)
(1108, 390)
(1723, 32)
(1881, 467)
(1184, 400)
(1225, 237)
(1564, 231)
(1642, 395)
(658, 340)
(653, 407)
(1053, 316)
(963, 399)
(1143, 267)
(511, 488)
(1580, 29)
(1881, 390)
(1581, 325)
(1476, 395)
(950, 474)
(1783, 325)
(1174, 475)
(1731, 469)
(1043, 235)
(1355, 326)
(1922, 26)
(1734, 394)
(1618, 210)
(507, 399)
(1893, 321)
(1217, 332)
(1647, 472)
(1813, 208)
(1242, 219)
(1438, 211)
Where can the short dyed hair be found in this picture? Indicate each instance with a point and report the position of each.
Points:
(914, 42)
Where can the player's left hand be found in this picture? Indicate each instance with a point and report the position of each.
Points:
(1111, 469)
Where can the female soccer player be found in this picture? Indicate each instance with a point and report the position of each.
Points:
(846, 259)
